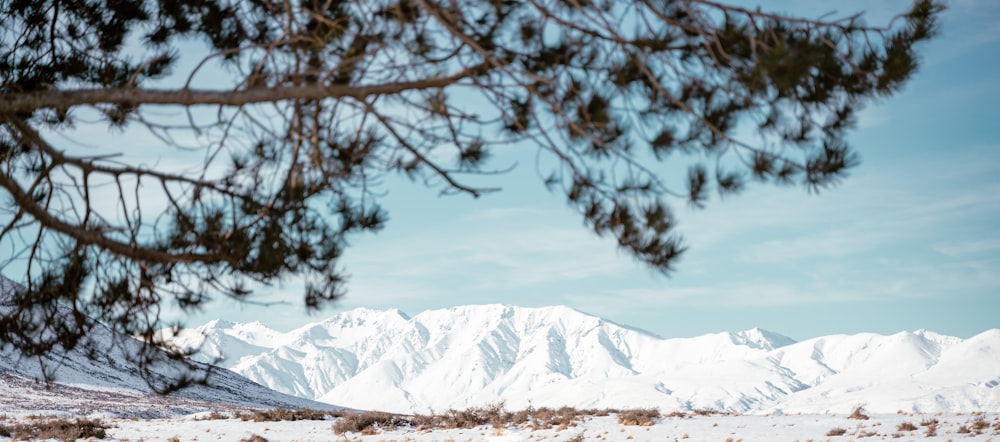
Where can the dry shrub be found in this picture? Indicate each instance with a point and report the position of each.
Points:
(679, 414)
(368, 422)
(285, 414)
(254, 438)
(963, 430)
(495, 415)
(56, 428)
(705, 412)
(544, 418)
(836, 432)
(600, 412)
(928, 422)
(423, 421)
(216, 416)
(498, 417)
(859, 413)
(979, 423)
(638, 416)
(906, 426)
(476, 416)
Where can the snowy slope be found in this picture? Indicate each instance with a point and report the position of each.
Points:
(553, 356)
(108, 384)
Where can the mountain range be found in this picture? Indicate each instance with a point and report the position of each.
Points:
(554, 356)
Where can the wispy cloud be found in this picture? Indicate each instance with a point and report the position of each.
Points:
(838, 243)
(728, 296)
(965, 248)
(505, 250)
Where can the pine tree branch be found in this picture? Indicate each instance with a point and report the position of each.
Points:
(87, 234)
(15, 103)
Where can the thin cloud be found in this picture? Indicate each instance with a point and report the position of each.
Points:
(839, 243)
(729, 295)
(506, 250)
(965, 248)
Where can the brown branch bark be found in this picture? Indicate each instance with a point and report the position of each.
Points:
(14, 103)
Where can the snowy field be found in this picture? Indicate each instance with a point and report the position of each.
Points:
(901, 427)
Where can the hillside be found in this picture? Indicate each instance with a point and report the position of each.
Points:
(106, 384)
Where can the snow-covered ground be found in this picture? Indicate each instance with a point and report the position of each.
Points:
(697, 428)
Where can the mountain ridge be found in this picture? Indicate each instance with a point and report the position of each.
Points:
(552, 356)
(76, 382)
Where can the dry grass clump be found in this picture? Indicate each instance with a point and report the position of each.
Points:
(836, 432)
(473, 417)
(906, 426)
(495, 415)
(498, 417)
(368, 422)
(544, 418)
(979, 423)
(931, 425)
(285, 414)
(859, 413)
(215, 416)
(705, 412)
(56, 428)
(254, 438)
(640, 416)
(599, 412)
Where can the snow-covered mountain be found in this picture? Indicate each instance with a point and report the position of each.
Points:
(108, 384)
(554, 356)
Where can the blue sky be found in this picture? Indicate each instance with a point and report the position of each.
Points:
(911, 240)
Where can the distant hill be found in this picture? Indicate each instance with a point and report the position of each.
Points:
(106, 384)
(554, 356)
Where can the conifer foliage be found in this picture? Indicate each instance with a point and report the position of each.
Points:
(312, 102)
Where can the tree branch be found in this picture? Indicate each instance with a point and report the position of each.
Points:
(14, 103)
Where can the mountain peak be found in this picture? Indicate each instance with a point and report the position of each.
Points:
(761, 339)
(217, 324)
